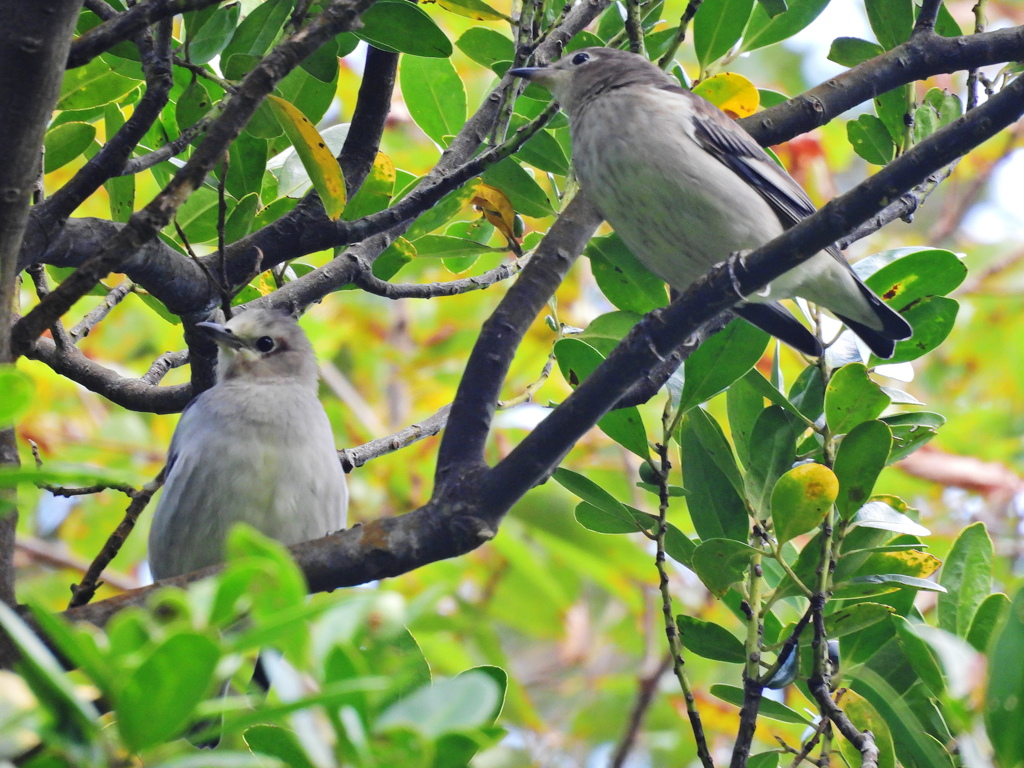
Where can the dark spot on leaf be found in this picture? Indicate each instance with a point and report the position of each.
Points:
(891, 292)
(574, 380)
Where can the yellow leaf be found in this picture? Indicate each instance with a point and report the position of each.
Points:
(731, 93)
(320, 164)
(497, 209)
(801, 498)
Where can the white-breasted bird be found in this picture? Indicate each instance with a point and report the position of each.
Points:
(684, 187)
(257, 447)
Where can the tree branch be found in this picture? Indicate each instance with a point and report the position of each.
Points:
(339, 16)
(126, 25)
(356, 457)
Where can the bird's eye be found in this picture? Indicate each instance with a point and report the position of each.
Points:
(579, 58)
(264, 344)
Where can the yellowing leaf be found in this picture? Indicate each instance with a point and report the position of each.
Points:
(801, 498)
(731, 93)
(320, 164)
(497, 209)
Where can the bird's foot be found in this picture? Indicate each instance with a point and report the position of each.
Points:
(736, 259)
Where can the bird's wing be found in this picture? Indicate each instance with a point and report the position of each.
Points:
(720, 137)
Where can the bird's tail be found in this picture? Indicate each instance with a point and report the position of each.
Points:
(880, 340)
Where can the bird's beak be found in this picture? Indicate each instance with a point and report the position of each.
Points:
(527, 73)
(545, 76)
(221, 334)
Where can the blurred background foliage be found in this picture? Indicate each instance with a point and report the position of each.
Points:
(573, 616)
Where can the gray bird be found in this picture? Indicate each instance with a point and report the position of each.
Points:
(684, 187)
(257, 448)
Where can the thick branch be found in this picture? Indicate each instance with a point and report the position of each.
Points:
(144, 225)
(922, 57)
(126, 25)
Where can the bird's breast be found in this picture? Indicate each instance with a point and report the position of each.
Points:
(677, 208)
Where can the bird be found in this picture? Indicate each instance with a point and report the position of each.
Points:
(256, 447)
(684, 187)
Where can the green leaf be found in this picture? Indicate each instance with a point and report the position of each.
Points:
(375, 192)
(621, 277)
(605, 521)
(459, 704)
(120, 189)
(967, 577)
(891, 20)
(444, 247)
(716, 507)
(160, 695)
(607, 330)
(914, 746)
(870, 139)
(527, 196)
(1004, 698)
(486, 46)
(717, 27)
(473, 9)
(720, 563)
(987, 619)
(94, 85)
(764, 759)
(435, 96)
(762, 31)
(938, 110)
(910, 431)
(744, 404)
(213, 35)
(247, 161)
(710, 640)
(773, 710)
(922, 658)
(866, 718)
(801, 498)
(18, 389)
(862, 455)
(946, 25)
(441, 213)
(906, 275)
(932, 320)
(73, 717)
(239, 222)
(772, 453)
(854, 618)
(774, 7)
(320, 164)
(577, 359)
(277, 742)
(720, 361)
(717, 448)
(891, 108)
(591, 493)
(401, 27)
(808, 393)
(65, 142)
(851, 51)
(193, 103)
(879, 514)
(542, 151)
(852, 398)
(259, 29)
(898, 579)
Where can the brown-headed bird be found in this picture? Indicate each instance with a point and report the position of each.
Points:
(684, 187)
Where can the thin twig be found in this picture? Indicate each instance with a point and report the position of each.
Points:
(647, 686)
(58, 556)
(684, 22)
(114, 297)
(163, 364)
(366, 280)
(671, 630)
(83, 592)
(356, 457)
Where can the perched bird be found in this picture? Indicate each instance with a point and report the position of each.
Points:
(684, 187)
(257, 448)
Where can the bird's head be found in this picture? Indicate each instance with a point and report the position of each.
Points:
(262, 345)
(583, 75)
